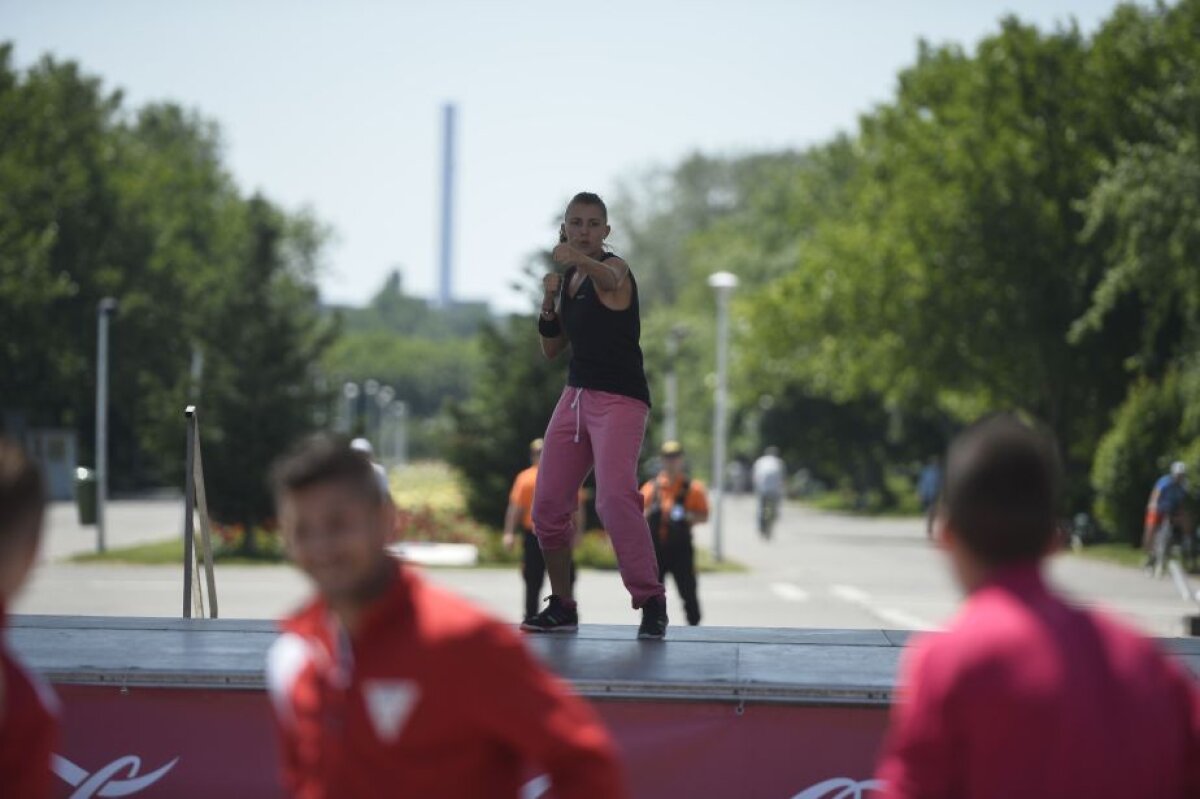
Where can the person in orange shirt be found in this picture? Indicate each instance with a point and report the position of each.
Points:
(674, 503)
(520, 512)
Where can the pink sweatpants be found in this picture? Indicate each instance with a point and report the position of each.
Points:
(595, 428)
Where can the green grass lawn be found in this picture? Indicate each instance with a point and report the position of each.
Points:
(168, 553)
(594, 554)
(845, 501)
(1118, 553)
(428, 488)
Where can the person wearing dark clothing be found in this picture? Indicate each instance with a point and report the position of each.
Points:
(520, 514)
(674, 504)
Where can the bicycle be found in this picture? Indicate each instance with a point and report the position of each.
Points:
(768, 514)
(1170, 533)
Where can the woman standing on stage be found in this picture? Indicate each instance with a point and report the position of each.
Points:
(599, 421)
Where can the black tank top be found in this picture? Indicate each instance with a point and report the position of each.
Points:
(606, 352)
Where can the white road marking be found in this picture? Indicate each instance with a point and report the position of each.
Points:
(860, 598)
(848, 593)
(902, 620)
(792, 593)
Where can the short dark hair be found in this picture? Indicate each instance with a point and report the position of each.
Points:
(324, 459)
(589, 198)
(22, 492)
(1001, 492)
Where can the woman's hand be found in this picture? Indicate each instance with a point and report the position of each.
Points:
(551, 284)
(565, 255)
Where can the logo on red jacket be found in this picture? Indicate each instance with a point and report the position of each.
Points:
(389, 704)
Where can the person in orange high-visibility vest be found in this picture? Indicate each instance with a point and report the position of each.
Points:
(674, 503)
(520, 514)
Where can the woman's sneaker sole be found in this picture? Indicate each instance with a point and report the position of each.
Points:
(562, 628)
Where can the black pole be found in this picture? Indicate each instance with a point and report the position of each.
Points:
(189, 505)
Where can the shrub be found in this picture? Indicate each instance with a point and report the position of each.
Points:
(1145, 437)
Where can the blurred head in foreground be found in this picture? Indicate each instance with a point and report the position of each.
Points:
(999, 503)
(22, 499)
(334, 518)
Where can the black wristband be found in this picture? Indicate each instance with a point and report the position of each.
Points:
(549, 328)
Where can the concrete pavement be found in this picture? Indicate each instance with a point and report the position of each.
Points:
(127, 522)
(820, 570)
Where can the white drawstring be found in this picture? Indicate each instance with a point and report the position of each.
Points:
(575, 405)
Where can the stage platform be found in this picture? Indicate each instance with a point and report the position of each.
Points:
(180, 707)
(729, 664)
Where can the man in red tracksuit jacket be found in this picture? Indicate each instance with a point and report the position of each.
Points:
(387, 686)
(1026, 696)
(28, 708)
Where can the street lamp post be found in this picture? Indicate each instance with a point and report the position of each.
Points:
(400, 432)
(350, 393)
(671, 420)
(723, 284)
(104, 313)
(383, 401)
(371, 410)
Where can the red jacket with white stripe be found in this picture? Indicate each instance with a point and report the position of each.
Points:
(429, 698)
(28, 729)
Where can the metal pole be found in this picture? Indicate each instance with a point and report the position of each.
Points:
(671, 422)
(350, 393)
(446, 255)
(370, 410)
(383, 401)
(400, 431)
(189, 505)
(104, 312)
(723, 283)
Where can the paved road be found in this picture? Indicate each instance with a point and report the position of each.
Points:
(821, 570)
(128, 522)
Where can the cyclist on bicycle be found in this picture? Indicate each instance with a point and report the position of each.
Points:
(1166, 501)
(770, 478)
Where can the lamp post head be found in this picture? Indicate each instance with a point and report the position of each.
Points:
(723, 283)
(107, 307)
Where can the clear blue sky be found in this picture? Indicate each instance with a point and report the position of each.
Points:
(336, 105)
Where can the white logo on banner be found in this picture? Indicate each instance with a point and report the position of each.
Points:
(535, 788)
(836, 788)
(389, 704)
(103, 782)
(840, 788)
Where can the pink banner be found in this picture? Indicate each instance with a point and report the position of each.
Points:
(196, 743)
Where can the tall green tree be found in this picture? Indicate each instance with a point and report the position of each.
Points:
(509, 405)
(263, 341)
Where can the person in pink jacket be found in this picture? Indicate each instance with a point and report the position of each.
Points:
(1026, 695)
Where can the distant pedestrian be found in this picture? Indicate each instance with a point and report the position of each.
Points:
(520, 514)
(1026, 695)
(387, 685)
(364, 446)
(28, 708)
(770, 485)
(929, 485)
(675, 503)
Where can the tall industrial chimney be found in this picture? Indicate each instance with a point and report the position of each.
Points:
(446, 257)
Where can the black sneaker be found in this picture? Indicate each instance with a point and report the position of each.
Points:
(654, 619)
(556, 618)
